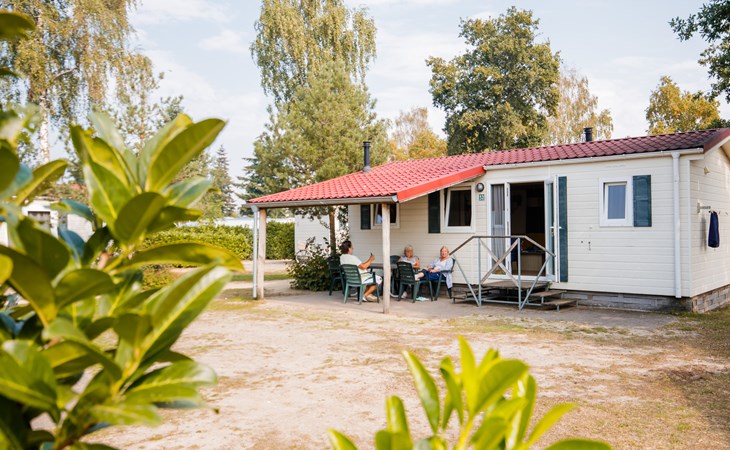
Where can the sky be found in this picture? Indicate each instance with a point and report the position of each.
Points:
(623, 48)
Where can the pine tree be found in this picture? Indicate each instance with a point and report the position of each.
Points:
(223, 198)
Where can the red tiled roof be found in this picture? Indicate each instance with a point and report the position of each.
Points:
(409, 179)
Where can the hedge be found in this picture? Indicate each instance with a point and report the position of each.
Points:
(237, 239)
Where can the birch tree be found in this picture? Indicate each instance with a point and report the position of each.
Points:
(671, 110)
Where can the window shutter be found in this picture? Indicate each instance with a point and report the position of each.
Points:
(364, 217)
(434, 213)
(563, 226)
(642, 201)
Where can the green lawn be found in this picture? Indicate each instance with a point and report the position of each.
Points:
(267, 277)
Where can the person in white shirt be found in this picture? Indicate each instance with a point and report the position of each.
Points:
(366, 276)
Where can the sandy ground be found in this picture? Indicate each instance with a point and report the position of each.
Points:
(296, 364)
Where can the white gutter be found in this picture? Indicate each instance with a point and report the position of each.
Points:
(255, 247)
(630, 156)
(325, 202)
(676, 220)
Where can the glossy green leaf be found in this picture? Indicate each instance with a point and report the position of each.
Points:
(168, 160)
(126, 414)
(453, 400)
(426, 388)
(431, 443)
(174, 307)
(493, 385)
(95, 245)
(132, 329)
(490, 434)
(176, 382)
(170, 215)
(107, 130)
(43, 176)
(469, 375)
(14, 25)
(579, 444)
(158, 141)
(72, 241)
(42, 247)
(6, 268)
(13, 429)
(32, 282)
(339, 441)
(68, 359)
(185, 253)
(527, 389)
(108, 194)
(80, 284)
(396, 415)
(23, 176)
(188, 192)
(27, 377)
(74, 207)
(99, 152)
(64, 329)
(11, 164)
(136, 216)
(547, 421)
(392, 440)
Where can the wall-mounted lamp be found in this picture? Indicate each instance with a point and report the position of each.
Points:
(480, 187)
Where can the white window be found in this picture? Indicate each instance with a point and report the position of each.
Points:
(377, 211)
(615, 202)
(459, 209)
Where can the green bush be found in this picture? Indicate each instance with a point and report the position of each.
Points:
(492, 401)
(279, 240)
(311, 272)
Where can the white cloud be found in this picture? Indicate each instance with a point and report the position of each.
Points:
(152, 12)
(226, 40)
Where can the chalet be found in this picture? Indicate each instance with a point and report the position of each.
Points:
(619, 223)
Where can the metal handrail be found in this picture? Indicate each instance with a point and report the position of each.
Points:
(499, 262)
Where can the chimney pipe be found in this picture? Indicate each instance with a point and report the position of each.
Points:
(588, 133)
(366, 156)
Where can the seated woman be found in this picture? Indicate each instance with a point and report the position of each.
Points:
(440, 264)
(347, 257)
(409, 257)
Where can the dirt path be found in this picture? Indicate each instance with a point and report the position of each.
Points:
(292, 367)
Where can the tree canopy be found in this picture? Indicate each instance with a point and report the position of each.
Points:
(295, 38)
(500, 93)
(577, 109)
(78, 47)
(411, 137)
(671, 110)
(712, 23)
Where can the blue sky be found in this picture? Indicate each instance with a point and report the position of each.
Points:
(623, 47)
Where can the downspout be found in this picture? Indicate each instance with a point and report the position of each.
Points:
(677, 237)
(255, 246)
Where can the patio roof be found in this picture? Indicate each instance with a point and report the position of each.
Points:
(400, 181)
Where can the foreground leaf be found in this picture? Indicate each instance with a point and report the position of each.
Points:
(426, 388)
(339, 441)
(185, 253)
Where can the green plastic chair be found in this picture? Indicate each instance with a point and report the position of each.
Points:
(333, 262)
(442, 277)
(407, 277)
(351, 279)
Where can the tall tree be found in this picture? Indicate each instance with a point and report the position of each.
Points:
(411, 137)
(223, 198)
(671, 110)
(69, 59)
(712, 23)
(295, 38)
(319, 136)
(577, 109)
(500, 93)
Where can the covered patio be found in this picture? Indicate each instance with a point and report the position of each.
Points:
(385, 185)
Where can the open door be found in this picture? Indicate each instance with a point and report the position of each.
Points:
(551, 228)
(500, 220)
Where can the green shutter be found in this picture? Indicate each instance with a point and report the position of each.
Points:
(642, 201)
(434, 213)
(364, 217)
(563, 226)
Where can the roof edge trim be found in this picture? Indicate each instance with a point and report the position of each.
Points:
(435, 185)
(323, 202)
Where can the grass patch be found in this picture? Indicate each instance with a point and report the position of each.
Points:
(267, 277)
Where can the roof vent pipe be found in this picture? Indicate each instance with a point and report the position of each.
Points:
(366, 156)
(588, 133)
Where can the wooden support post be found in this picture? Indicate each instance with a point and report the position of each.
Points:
(261, 255)
(386, 258)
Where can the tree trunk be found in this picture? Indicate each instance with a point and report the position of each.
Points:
(43, 132)
(333, 235)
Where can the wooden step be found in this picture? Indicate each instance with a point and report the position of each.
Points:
(548, 293)
(561, 302)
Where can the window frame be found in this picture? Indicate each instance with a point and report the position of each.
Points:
(603, 185)
(447, 208)
(374, 215)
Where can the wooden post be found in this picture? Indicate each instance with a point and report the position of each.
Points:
(261, 255)
(386, 258)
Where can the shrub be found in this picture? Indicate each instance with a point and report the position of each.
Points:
(311, 272)
(477, 397)
(279, 240)
(236, 239)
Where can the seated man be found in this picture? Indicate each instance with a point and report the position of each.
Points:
(347, 257)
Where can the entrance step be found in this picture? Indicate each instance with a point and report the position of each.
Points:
(561, 302)
(548, 293)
